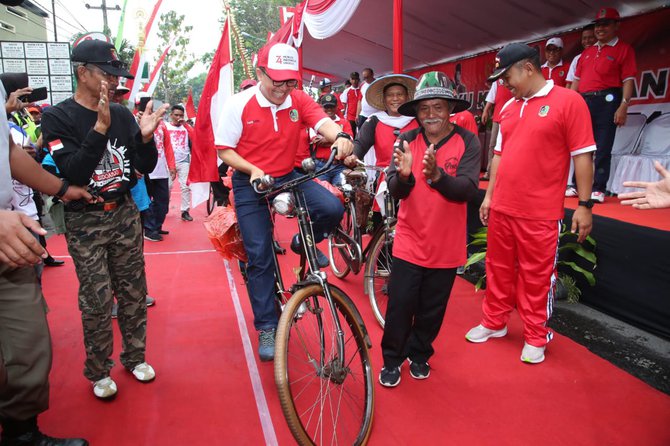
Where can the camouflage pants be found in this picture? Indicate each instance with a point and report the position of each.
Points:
(107, 251)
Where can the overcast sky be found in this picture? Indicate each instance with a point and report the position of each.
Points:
(72, 17)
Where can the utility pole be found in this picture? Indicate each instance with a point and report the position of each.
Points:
(104, 9)
(53, 14)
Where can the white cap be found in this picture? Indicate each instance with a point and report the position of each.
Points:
(280, 61)
(556, 41)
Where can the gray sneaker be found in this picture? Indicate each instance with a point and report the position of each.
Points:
(266, 344)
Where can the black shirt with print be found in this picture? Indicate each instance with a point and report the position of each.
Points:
(106, 163)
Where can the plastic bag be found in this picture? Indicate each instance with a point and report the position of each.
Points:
(224, 233)
(332, 189)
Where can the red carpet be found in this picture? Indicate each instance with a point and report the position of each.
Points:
(612, 208)
(203, 394)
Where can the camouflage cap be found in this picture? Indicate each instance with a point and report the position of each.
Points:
(434, 85)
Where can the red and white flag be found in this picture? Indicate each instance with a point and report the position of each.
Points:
(190, 105)
(140, 56)
(218, 88)
(154, 78)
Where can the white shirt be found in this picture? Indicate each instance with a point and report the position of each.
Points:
(22, 195)
(573, 67)
(366, 109)
(179, 140)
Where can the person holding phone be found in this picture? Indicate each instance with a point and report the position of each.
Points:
(101, 145)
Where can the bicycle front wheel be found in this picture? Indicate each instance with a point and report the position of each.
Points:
(326, 399)
(378, 272)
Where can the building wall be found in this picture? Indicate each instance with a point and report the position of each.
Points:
(28, 27)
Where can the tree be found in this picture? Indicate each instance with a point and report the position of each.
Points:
(172, 85)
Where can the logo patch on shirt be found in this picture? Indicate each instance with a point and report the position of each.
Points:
(451, 166)
(55, 145)
(544, 111)
(293, 114)
(561, 73)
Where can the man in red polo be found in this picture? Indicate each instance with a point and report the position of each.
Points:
(350, 98)
(604, 77)
(259, 133)
(523, 206)
(554, 68)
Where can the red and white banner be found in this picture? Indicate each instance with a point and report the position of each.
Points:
(190, 105)
(140, 57)
(153, 80)
(647, 33)
(218, 88)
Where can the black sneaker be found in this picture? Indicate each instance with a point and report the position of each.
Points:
(163, 232)
(389, 377)
(152, 236)
(296, 247)
(186, 216)
(38, 438)
(419, 370)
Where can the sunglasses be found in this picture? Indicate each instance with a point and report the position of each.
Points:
(289, 83)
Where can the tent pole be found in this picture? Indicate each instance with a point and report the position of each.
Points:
(397, 37)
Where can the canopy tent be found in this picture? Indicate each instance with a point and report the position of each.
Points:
(435, 31)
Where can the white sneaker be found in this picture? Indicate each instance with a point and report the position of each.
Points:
(144, 372)
(531, 354)
(482, 334)
(571, 192)
(104, 388)
(598, 197)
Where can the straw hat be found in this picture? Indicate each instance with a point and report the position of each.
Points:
(375, 92)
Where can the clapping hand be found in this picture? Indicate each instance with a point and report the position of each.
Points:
(403, 161)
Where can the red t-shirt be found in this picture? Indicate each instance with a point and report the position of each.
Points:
(556, 74)
(431, 230)
(466, 120)
(264, 134)
(502, 96)
(384, 140)
(605, 67)
(537, 137)
(353, 98)
(323, 152)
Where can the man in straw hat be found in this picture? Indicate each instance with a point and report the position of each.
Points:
(434, 172)
(540, 129)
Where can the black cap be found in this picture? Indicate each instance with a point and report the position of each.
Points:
(14, 81)
(508, 56)
(11, 2)
(328, 100)
(101, 54)
(354, 75)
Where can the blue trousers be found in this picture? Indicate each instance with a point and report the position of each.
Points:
(160, 204)
(253, 217)
(604, 129)
(334, 177)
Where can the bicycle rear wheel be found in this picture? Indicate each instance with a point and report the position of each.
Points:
(378, 272)
(324, 400)
(339, 251)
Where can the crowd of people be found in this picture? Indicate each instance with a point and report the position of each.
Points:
(110, 172)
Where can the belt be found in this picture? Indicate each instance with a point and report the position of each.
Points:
(82, 206)
(604, 92)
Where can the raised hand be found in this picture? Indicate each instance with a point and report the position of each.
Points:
(654, 196)
(430, 170)
(403, 161)
(104, 117)
(150, 120)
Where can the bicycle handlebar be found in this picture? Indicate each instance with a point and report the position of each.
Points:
(270, 189)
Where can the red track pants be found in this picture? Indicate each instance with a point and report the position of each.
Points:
(521, 270)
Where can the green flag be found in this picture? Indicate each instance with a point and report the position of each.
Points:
(119, 33)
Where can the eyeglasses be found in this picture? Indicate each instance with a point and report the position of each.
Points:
(554, 49)
(289, 83)
(101, 71)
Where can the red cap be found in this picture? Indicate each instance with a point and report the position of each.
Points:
(247, 83)
(280, 61)
(607, 14)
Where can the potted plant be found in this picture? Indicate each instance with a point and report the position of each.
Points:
(574, 260)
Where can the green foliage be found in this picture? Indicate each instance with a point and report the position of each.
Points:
(568, 247)
(173, 86)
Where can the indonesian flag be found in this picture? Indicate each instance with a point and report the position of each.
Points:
(153, 80)
(190, 106)
(218, 88)
(140, 55)
(55, 145)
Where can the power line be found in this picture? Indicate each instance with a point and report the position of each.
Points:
(72, 15)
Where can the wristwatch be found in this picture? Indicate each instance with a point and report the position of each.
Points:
(588, 204)
(344, 135)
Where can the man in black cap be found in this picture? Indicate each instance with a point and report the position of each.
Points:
(540, 129)
(100, 145)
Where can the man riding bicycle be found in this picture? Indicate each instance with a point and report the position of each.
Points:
(258, 134)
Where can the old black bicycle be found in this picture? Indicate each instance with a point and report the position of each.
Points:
(322, 365)
(345, 244)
